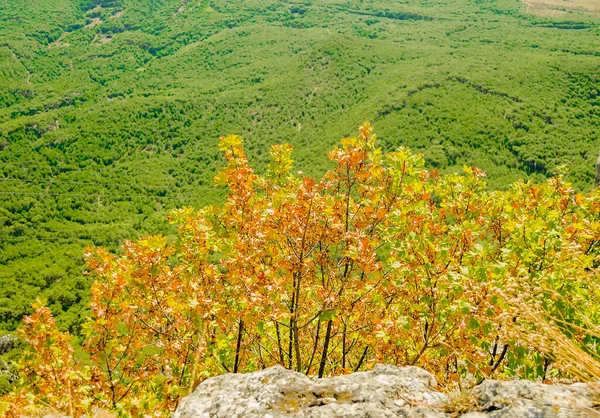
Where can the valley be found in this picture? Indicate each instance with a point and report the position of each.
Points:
(110, 111)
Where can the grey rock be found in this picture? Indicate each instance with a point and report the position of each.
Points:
(385, 392)
(527, 399)
(7, 343)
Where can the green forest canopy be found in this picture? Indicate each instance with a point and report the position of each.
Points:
(110, 110)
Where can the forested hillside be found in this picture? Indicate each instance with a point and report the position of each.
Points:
(110, 110)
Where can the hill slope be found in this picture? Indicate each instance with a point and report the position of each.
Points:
(110, 109)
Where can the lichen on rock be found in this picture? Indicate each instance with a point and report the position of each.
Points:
(386, 391)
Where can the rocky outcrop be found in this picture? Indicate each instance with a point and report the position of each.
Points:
(385, 392)
(7, 343)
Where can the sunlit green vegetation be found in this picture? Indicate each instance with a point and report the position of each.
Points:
(110, 110)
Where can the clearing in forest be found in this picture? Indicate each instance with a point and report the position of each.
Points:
(561, 7)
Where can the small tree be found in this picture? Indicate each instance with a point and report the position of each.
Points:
(53, 378)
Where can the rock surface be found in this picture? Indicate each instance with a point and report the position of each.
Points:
(386, 391)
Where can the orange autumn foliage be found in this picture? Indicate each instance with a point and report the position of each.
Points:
(379, 261)
(54, 378)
